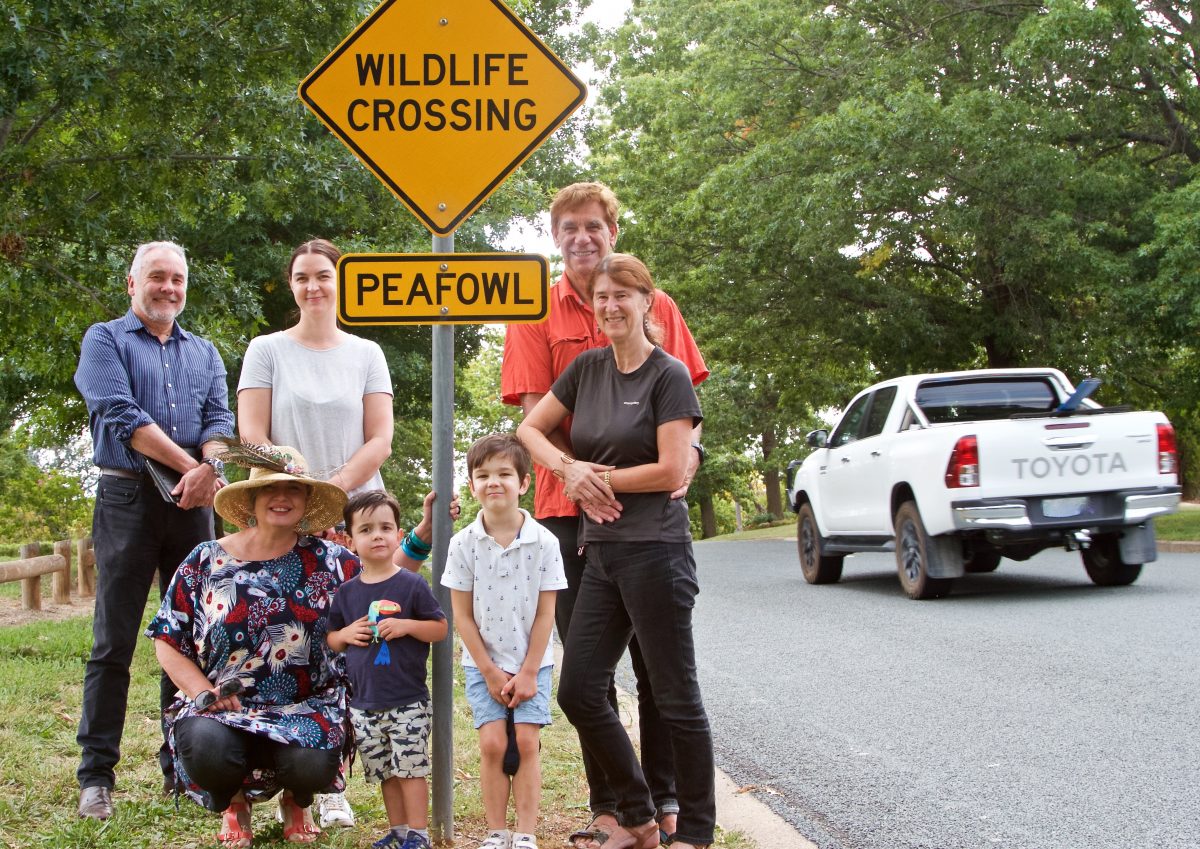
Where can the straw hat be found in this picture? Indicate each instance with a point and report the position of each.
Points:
(270, 464)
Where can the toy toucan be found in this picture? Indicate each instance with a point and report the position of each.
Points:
(383, 607)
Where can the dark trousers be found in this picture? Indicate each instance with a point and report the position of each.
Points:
(136, 535)
(219, 758)
(658, 764)
(647, 590)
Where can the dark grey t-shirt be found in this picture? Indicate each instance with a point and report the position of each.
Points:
(616, 420)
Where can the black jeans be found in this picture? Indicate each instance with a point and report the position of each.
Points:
(647, 590)
(218, 758)
(136, 535)
(658, 764)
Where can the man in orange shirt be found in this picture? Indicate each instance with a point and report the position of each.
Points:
(583, 222)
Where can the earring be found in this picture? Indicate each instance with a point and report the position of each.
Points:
(303, 526)
(251, 522)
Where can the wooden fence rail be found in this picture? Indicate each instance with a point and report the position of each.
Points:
(33, 565)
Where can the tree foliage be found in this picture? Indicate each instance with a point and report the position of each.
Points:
(855, 188)
(122, 122)
(38, 504)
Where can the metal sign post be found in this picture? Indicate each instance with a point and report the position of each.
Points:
(442, 821)
(442, 100)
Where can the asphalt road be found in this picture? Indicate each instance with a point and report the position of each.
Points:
(1028, 710)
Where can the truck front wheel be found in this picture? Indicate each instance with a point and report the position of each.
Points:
(915, 550)
(817, 566)
(1102, 560)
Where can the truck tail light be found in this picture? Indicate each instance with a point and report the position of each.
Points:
(1168, 458)
(963, 468)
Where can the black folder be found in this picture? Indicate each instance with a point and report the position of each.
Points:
(165, 478)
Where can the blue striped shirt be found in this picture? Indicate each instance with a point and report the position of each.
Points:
(129, 380)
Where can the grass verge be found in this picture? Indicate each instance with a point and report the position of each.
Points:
(41, 674)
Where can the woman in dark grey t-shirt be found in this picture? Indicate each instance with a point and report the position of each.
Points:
(633, 411)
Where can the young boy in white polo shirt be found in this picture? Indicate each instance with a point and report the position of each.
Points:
(504, 571)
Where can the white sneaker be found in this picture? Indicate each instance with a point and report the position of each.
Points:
(334, 811)
(496, 840)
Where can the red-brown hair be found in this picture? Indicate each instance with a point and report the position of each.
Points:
(629, 271)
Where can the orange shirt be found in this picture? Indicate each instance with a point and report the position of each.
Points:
(536, 354)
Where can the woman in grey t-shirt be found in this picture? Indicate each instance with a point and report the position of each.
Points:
(317, 387)
(633, 409)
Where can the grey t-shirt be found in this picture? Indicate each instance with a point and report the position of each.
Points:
(615, 422)
(317, 396)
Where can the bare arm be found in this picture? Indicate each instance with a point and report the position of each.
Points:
(424, 532)
(425, 630)
(669, 471)
(199, 483)
(462, 602)
(377, 443)
(693, 465)
(523, 685)
(557, 438)
(356, 633)
(581, 479)
(186, 675)
(254, 416)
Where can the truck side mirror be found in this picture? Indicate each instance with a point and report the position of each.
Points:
(817, 438)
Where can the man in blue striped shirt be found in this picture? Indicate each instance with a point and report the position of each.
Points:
(152, 390)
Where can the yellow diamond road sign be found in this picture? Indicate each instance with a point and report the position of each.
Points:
(442, 100)
(442, 288)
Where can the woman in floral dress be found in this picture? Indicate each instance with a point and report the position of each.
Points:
(241, 632)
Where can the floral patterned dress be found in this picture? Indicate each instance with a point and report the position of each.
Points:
(263, 622)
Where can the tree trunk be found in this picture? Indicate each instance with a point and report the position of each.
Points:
(708, 517)
(771, 476)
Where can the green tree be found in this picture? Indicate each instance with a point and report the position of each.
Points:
(126, 121)
(841, 189)
(38, 504)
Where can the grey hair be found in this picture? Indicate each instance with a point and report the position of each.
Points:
(136, 265)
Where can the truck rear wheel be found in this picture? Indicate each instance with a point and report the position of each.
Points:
(1102, 560)
(915, 551)
(818, 567)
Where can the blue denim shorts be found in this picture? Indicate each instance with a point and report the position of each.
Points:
(535, 711)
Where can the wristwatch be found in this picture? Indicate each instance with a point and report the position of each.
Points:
(219, 465)
(699, 450)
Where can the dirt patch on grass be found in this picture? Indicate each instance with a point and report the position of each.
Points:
(11, 612)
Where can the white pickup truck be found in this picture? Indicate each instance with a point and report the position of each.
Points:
(953, 471)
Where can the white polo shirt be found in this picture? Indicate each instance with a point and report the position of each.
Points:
(505, 584)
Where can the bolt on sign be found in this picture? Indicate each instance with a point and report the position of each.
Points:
(442, 288)
(442, 100)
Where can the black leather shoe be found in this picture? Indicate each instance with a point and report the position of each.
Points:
(95, 803)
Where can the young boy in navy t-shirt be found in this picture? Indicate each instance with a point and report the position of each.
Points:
(384, 620)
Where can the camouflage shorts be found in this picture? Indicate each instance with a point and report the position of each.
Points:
(393, 743)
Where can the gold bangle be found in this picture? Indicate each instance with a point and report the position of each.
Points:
(566, 458)
(608, 478)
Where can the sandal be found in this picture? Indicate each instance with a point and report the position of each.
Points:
(637, 837)
(297, 827)
(232, 834)
(495, 840)
(523, 841)
(588, 832)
